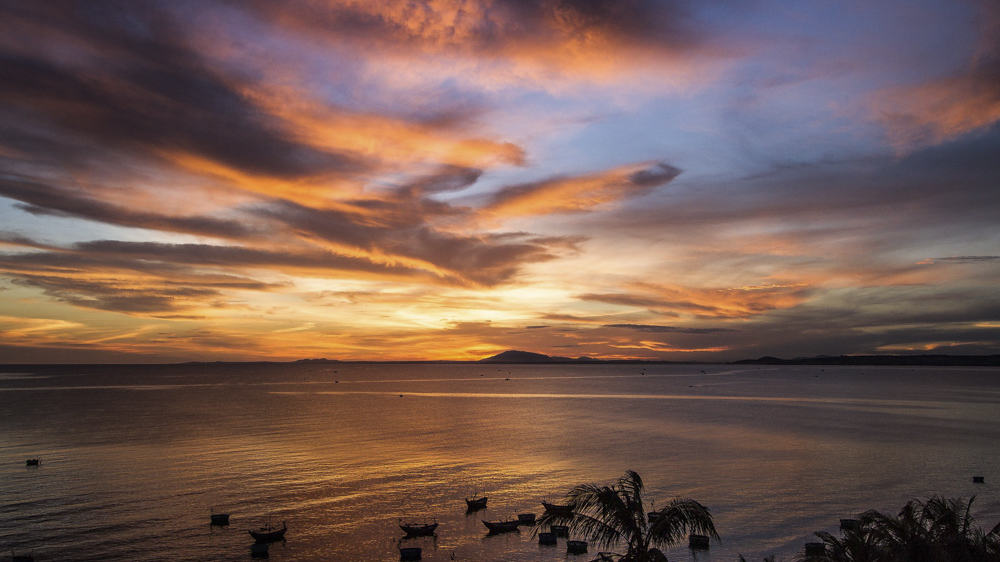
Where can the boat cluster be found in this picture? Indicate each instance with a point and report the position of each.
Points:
(476, 503)
(263, 536)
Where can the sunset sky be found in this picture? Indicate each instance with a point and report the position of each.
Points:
(196, 180)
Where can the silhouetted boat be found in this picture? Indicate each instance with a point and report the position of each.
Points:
(219, 518)
(850, 525)
(267, 533)
(547, 538)
(560, 530)
(418, 529)
(556, 509)
(502, 526)
(475, 503)
(815, 549)
(576, 547)
(978, 480)
(526, 518)
(32, 462)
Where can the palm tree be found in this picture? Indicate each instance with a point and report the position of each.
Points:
(934, 530)
(615, 514)
(865, 543)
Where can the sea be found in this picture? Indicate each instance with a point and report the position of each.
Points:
(135, 458)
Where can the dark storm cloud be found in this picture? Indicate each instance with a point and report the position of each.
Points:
(145, 90)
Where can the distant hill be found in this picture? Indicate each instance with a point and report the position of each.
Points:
(915, 360)
(515, 356)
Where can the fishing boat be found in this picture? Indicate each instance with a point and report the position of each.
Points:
(526, 518)
(267, 533)
(219, 518)
(815, 549)
(418, 529)
(31, 462)
(576, 547)
(501, 526)
(557, 509)
(475, 503)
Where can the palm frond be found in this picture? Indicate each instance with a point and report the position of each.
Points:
(679, 518)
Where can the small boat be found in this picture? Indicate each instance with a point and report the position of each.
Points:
(547, 538)
(698, 542)
(409, 553)
(560, 530)
(418, 529)
(32, 462)
(219, 518)
(475, 503)
(557, 509)
(978, 480)
(850, 525)
(526, 518)
(576, 547)
(815, 549)
(502, 526)
(267, 533)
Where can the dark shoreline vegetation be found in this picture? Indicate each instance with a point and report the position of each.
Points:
(937, 529)
(514, 357)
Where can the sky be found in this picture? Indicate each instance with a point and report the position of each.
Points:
(362, 180)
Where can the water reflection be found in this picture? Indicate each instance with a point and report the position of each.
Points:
(133, 459)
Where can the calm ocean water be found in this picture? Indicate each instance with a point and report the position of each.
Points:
(135, 457)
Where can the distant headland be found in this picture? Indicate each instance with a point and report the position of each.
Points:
(516, 356)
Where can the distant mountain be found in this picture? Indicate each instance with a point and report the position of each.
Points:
(515, 356)
(915, 360)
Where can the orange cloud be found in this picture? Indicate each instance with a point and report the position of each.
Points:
(579, 193)
(540, 41)
(394, 143)
(946, 107)
(735, 303)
